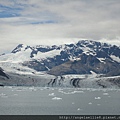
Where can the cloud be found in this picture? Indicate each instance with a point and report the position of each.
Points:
(49, 21)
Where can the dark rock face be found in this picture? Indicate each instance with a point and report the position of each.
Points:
(35, 65)
(3, 74)
(87, 64)
(17, 49)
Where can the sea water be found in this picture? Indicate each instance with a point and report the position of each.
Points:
(58, 101)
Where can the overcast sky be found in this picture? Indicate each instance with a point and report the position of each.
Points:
(58, 21)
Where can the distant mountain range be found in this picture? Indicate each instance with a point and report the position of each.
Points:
(83, 57)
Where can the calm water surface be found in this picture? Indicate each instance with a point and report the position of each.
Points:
(58, 101)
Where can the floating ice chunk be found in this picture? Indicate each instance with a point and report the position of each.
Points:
(77, 92)
(93, 90)
(56, 98)
(52, 94)
(98, 104)
(46, 88)
(65, 92)
(3, 95)
(73, 103)
(79, 109)
(19, 89)
(32, 89)
(117, 90)
(15, 94)
(105, 94)
(10, 87)
(60, 89)
(97, 98)
(71, 92)
(90, 103)
(109, 96)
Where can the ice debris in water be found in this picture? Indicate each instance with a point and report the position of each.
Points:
(73, 103)
(19, 89)
(60, 89)
(3, 95)
(73, 92)
(105, 94)
(51, 94)
(79, 109)
(32, 89)
(10, 87)
(56, 98)
(97, 98)
(78, 92)
(98, 104)
(90, 103)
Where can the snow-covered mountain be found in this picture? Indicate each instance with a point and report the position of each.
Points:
(83, 57)
(85, 64)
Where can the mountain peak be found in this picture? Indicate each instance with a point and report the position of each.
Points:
(84, 56)
(18, 48)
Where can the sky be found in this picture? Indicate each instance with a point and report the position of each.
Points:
(49, 22)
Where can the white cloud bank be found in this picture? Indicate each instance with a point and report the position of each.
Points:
(58, 21)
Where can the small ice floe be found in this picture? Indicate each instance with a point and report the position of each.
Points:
(92, 90)
(71, 92)
(118, 90)
(90, 103)
(97, 98)
(52, 94)
(109, 96)
(15, 94)
(60, 90)
(73, 103)
(79, 109)
(32, 89)
(63, 92)
(56, 98)
(105, 94)
(10, 87)
(19, 89)
(46, 88)
(98, 104)
(77, 92)
(3, 95)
